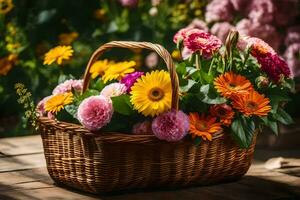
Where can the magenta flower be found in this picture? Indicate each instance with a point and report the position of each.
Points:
(171, 126)
(67, 86)
(219, 10)
(95, 112)
(130, 79)
(274, 66)
(114, 90)
(142, 128)
(221, 30)
(205, 43)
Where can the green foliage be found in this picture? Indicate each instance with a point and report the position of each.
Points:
(242, 130)
(122, 105)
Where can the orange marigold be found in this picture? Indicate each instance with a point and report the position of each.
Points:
(252, 103)
(224, 112)
(203, 126)
(230, 84)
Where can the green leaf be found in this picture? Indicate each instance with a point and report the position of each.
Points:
(72, 110)
(122, 104)
(188, 86)
(181, 68)
(242, 130)
(283, 117)
(208, 96)
(197, 141)
(271, 124)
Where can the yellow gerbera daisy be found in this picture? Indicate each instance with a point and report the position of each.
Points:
(151, 94)
(57, 102)
(99, 67)
(118, 70)
(58, 54)
(6, 6)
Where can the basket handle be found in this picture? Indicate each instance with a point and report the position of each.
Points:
(161, 51)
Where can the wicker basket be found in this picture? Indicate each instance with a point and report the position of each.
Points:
(116, 161)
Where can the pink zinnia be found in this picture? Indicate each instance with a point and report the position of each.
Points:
(142, 128)
(171, 126)
(274, 66)
(114, 90)
(201, 41)
(67, 86)
(180, 35)
(130, 79)
(95, 112)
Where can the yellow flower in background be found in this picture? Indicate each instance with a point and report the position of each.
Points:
(57, 102)
(176, 55)
(118, 70)
(58, 54)
(67, 38)
(100, 14)
(6, 6)
(99, 67)
(6, 64)
(151, 94)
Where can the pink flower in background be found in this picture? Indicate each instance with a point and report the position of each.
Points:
(114, 90)
(129, 3)
(205, 43)
(292, 56)
(41, 106)
(142, 128)
(180, 35)
(286, 11)
(151, 60)
(221, 30)
(266, 32)
(171, 126)
(198, 24)
(239, 5)
(130, 79)
(292, 36)
(67, 86)
(261, 11)
(186, 53)
(219, 10)
(274, 66)
(95, 112)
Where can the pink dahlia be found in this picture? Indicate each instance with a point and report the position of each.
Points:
(180, 35)
(130, 79)
(114, 90)
(205, 43)
(67, 86)
(171, 126)
(274, 66)
(142, 128)
(95, 112)
(41, 106)
(219, 10)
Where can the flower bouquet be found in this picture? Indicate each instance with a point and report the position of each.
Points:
(133, 128)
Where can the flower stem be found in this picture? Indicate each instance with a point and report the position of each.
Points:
(198, 67)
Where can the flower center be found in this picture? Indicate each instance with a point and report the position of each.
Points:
(232, 85)
(251, 105)
(221, 112)
(156, 94)
(202, 40)
(201, 126)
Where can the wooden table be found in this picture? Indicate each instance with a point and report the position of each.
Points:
(23, 176)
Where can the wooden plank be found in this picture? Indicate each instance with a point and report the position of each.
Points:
(29, 161)
(21, 145)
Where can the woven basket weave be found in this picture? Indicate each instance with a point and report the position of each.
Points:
(108, 162)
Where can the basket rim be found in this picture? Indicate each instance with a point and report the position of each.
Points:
(78, 129)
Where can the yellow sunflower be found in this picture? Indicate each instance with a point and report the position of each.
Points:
(118, 70)
(57, 102)
(151, 94)
(99, 67)
(58, 54)
(6, 6)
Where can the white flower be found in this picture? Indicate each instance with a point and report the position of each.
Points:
(113, 90)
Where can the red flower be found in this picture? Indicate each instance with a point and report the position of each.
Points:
(224, 112)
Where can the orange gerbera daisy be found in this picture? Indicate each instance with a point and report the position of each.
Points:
(224, 112)
(230, 84)
(203, 126)
(252, 103)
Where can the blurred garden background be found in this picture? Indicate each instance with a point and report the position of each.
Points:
(30, 28)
